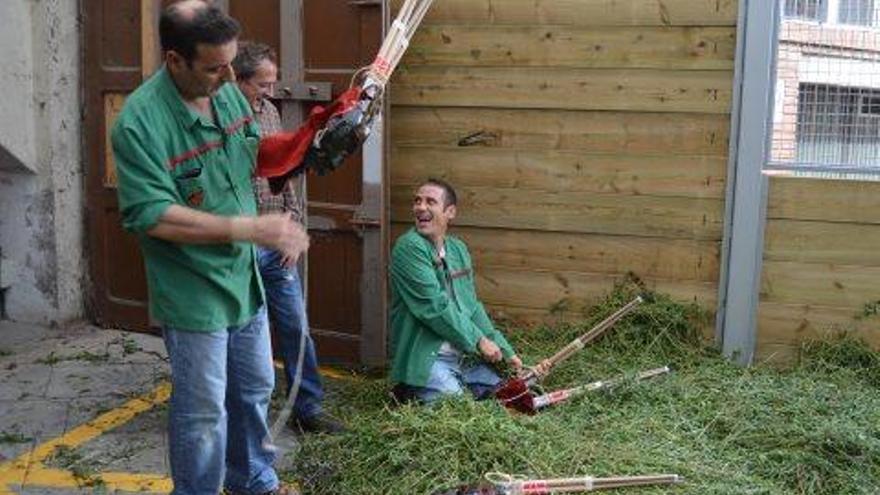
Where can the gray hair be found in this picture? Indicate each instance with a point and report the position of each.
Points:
(250, 55)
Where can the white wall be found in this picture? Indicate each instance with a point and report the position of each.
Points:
(42, 270)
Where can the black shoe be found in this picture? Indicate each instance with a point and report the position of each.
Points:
(283, 489)
(319, 423)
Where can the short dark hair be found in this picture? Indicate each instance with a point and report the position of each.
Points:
(250, 55)
(182, 31)
(449, 196)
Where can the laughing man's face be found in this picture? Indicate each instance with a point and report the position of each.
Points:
(431, 214)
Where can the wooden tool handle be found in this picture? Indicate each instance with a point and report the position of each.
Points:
(580, 342)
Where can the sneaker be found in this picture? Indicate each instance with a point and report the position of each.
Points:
(319, 423)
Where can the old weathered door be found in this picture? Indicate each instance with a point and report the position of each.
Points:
(323, 42)
(120, 50)
(319, 42)
(346, 262)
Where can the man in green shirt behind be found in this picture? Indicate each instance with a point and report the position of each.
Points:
(442, 338)
(185, 148)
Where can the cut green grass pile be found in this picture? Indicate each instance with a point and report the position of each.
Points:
(812, 429)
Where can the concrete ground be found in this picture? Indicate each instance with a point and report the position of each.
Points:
(82, 410)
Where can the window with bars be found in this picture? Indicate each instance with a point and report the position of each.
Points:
(846, 12)
(827, 103)
(838, 126)
(810, 10)
(857, 12)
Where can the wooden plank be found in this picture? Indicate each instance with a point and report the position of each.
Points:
(513, 319)
(151, 51)
(610, 132)
(113, 103)
(796, 323)
(781, 355)
(647, 257)
(822, 242)
(567, 89)
(684, 48)
(571, 291)
(563, 171)
(648, 216)
(584, 12)
(824, 284)
(650, 258)
(820, 199)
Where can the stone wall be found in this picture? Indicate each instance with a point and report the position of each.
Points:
(42, 269)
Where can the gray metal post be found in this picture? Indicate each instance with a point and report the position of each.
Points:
(746, 206)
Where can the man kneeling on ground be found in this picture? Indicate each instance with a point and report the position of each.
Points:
(442, 338)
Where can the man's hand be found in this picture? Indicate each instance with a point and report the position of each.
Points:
(275, 231)
(490, 351)
(543, 367)
(516, 363)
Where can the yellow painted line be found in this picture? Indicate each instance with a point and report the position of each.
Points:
(40, 475)
(107, 421)
(28, 468)
(13, 472)
(328, 372)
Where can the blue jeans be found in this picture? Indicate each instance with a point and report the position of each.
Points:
(221, 386)
(449, 376)
(287, 310)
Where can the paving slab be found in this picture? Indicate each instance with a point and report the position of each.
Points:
(54, 380)
(23, 422)
(24, 381)
(79, 379)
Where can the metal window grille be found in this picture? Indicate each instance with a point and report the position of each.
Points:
(827, 105)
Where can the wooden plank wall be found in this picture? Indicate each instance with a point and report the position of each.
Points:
(821, 265)
(600, 143)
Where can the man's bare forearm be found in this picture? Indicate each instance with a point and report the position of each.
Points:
(188, 226)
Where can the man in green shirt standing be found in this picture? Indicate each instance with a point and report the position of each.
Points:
(442, 338)
(185, 148)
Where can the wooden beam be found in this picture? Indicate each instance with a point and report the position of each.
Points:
(151, 51)
(668, 259)
(796, 323)
(585, 12)
(570, 291)
(598, 132)
(822, 242)
(565, 89)
(619, 214)
(823, 284)
(824, 200)
(562, 171)
(648, 257)
(684, 48)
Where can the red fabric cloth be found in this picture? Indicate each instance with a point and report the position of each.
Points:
(283, 153)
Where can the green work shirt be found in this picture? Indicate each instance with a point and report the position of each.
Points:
(434, 302)
(167, 154)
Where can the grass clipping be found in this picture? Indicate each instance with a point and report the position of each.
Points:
(813, 429)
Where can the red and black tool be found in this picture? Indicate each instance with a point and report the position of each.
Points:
(516, 393)
(332, 133)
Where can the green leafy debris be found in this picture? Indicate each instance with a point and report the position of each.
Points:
(812, 429)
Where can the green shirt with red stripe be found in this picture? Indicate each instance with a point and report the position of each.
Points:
(167, 154)
(434, 300)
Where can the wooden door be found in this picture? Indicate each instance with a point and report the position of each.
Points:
(346, 272)
(120, 50)
(321, 41)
